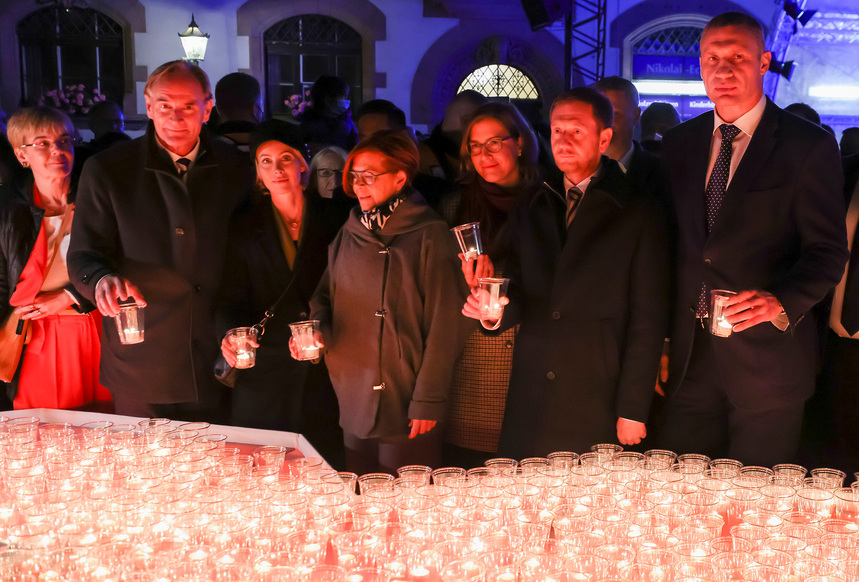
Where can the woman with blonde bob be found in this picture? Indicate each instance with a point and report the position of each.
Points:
(280, 247)
(387, 306)
(59, 366)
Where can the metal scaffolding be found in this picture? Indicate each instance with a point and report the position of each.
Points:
(585, 41)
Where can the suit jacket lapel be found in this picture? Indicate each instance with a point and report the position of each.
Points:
(754, 160)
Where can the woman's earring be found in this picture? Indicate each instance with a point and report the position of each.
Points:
(25, 164)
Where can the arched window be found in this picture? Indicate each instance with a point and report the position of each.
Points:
(70, 46)
(500, 81)
(300, 49)
(665, 67)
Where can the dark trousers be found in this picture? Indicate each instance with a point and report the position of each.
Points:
(700, 418)
(389, 454)
(840, 381)
(215, 412)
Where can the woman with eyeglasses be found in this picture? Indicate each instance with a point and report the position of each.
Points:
(326, 171)
(499, 170)
(388, 312)
(59, 365)
(280, 247)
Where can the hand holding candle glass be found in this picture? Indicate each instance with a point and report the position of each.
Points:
(129, 323)
(475, 264)
(306, 340)
(719, 325)
(239, 347)
(486, 302)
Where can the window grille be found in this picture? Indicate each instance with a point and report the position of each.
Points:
(300, 49)
(500, 81)
(679, 41)
(70, 46)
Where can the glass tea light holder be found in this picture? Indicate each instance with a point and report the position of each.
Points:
(129, 323)
(304, 333)
(491, 292)
(242, 340)
(719, 325)
(468, 237)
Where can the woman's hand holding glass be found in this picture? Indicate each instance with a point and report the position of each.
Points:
(295, 350)
(229, 352)
(474, 269)
(477, 300)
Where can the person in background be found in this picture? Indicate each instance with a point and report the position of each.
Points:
(500, 172)
(59, 366)
(388, 306)
(804, 111)
(238, 101)
(107, 123)
(759, 212)
(440, 151)
(327, 121)
(589, 282)
(849, 143)
(282, 242)
(657, 119)
(643, 168)
(152, 224)
(326, 171)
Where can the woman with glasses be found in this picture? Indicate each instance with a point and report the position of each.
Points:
(388, 312)
(281, 245)
(499, 170)
(326, 171)
(59, 366)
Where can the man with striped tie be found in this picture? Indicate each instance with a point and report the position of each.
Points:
(589, 286)
(757, 198)
(151, 226)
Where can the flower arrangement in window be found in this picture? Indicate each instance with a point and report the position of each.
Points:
(73, 99)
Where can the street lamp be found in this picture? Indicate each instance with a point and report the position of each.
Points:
(194, 42)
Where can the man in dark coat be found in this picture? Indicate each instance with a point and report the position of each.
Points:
(757, 194)
(589, 285)
(151, 225)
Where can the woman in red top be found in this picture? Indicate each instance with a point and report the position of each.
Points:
(59, 367)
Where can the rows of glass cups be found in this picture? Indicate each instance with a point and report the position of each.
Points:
(165, 501)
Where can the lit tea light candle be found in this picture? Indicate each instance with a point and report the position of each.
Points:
(132, 335)
(243, 360)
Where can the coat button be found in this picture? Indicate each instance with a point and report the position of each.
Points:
(556, 315)
(198, 288)
(180, 231)
(509, 343)
(550, 376)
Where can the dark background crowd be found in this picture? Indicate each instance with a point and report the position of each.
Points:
(612, 225)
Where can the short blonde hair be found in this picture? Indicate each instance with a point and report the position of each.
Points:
(178, 68)
(32, 120)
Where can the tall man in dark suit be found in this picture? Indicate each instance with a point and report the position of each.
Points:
(589, 284)
(757, 194)
(151, 224)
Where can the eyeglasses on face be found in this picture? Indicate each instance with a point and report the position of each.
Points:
(367, 178)
(43, 145)
(492, 146)
(327, 172)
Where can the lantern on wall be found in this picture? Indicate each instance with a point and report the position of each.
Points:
(194, 42)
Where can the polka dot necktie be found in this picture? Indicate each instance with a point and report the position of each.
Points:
(716, 187)
(574, 195)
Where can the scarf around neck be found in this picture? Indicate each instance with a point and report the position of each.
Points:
(375, 218)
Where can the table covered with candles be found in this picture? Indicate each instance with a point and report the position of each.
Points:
(96, 497)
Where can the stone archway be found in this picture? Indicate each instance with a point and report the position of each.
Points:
(460, 51)
(131, 14)
(254, 17)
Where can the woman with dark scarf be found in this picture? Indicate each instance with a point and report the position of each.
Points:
(499, 170)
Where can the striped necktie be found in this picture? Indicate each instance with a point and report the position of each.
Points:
(574, 196)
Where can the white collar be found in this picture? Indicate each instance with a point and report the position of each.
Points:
(192, 155)
(748, 121)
